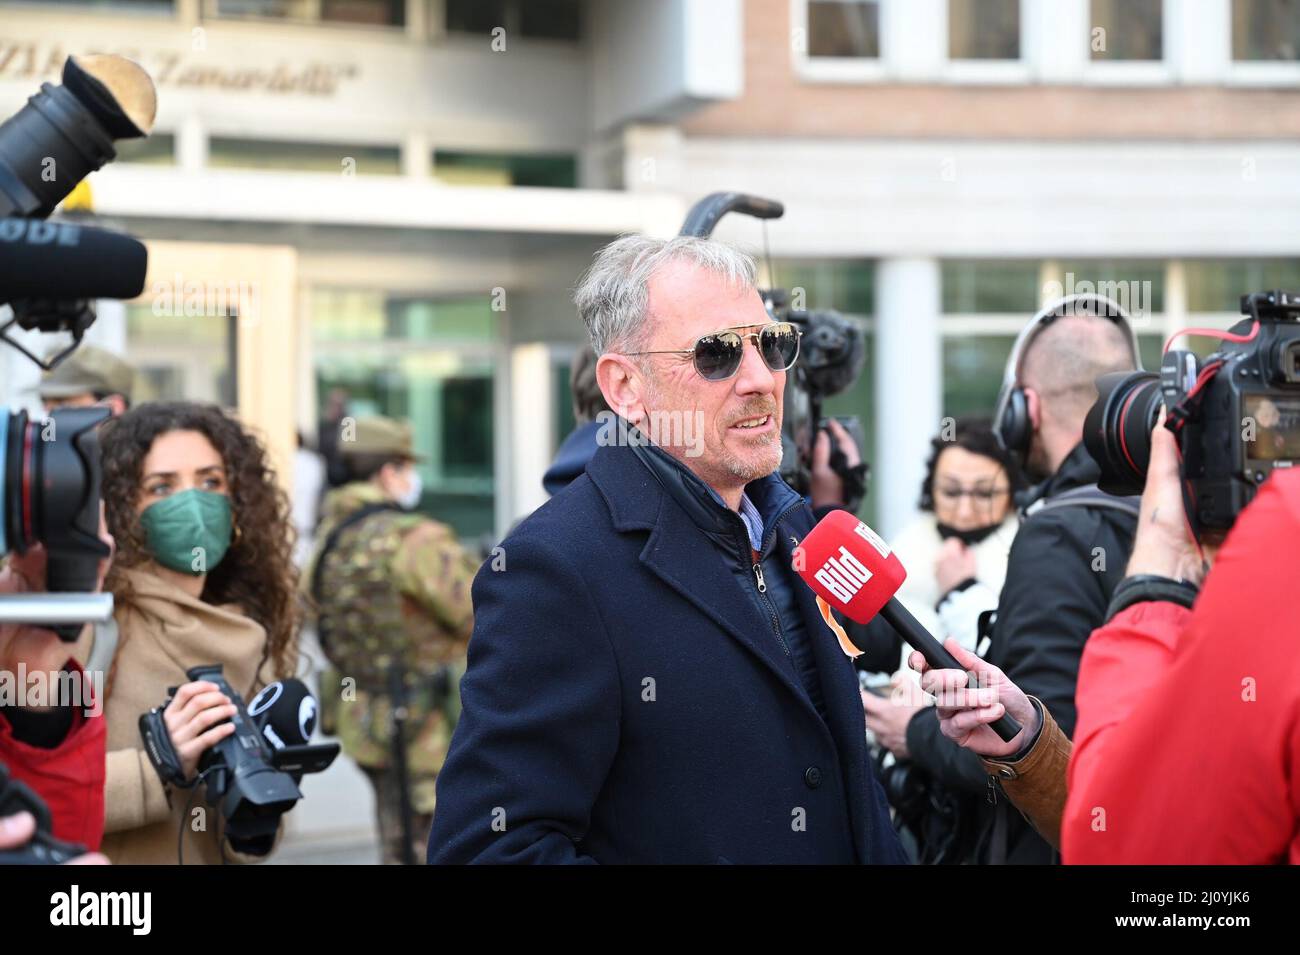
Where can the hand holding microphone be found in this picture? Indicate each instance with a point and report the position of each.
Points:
(965, 712)
(847, 564)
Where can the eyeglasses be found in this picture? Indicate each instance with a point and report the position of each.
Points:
(982, 495)
(717, 356)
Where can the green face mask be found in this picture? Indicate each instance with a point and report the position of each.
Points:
(189, 531)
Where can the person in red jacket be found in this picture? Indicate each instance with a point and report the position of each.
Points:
(58, 750)
(1187, 748)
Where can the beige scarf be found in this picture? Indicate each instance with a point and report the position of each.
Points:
(163, 631)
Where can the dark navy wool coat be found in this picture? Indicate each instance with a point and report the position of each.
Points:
(627, 700)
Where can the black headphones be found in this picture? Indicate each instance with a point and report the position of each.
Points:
(1011, 424)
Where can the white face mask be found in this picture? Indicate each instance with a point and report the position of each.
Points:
(411, 496)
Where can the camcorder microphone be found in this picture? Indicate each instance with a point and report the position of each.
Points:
(848, 565)
(37, 256)
(285, 713)
(251, 781)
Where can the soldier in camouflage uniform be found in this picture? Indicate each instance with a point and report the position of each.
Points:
(392, 590)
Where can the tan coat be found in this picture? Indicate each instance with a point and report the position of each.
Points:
(1035, 783)
(162, 632)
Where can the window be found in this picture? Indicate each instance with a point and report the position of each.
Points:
(181, 356)
(972, 372)
(467, 427)
(430, 362)
(846, 286)
(505, 169)
(347, 315)
(389, 13)
(972, 288)
(1138, 287)
(984, 29)
(156, 149)
(337, 158)
(475, 16)
(551, 19)
(536, 19)
(563, 418)
(1266, 30)
(1127, 30)
(843, 28)
(148, 6)
(1217, 285)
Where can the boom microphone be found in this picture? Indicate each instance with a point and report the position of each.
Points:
(64, 260)
(847, 564)
(285, 713)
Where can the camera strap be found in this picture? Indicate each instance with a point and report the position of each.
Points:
(1087, 496)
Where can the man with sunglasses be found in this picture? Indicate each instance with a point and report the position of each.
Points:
(648, 680)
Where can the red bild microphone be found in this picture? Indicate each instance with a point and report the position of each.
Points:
(847, 564)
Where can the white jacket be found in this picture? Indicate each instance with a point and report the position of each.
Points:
(917, 546)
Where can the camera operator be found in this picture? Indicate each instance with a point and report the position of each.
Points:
(58, 749)
(1032, 768)
(1188, 733)
(1201, 705)
(1069, 553)
(203, 575)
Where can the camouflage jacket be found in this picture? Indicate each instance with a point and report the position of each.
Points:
(395, 588)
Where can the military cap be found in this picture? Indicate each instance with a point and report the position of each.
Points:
(377, 435)
(88, 370)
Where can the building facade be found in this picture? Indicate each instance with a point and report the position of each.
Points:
(392, 198)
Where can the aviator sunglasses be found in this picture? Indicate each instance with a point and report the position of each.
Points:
(717, 356)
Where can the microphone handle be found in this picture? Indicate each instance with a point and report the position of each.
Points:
(917, 637)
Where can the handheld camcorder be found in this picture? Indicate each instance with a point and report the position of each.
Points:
(831, 355)
(1235, 413)
(252, 775)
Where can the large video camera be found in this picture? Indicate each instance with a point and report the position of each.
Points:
(49, 270)
(831, 354)
(1236, 414)
(252, 775)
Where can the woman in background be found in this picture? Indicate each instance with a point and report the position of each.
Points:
(956, 550)
(956, 556)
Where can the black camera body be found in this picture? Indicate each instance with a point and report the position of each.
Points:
(831, 355)
(1236, 414)
(49, 494)
(50, 470)
(43, 849)
(251, 783)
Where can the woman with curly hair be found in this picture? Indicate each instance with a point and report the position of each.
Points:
(203, 574)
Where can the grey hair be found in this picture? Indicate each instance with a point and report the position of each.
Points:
(613, 294)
